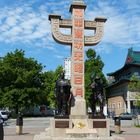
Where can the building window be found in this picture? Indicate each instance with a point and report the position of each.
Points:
(109, 107)
(119, 105)
(113, 106)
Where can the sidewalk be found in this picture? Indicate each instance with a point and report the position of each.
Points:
(28, 133)
(130, 133)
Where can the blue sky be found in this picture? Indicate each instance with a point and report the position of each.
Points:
(24, 25)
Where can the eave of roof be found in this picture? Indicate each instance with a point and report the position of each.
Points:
(118, 82)
(123, 68)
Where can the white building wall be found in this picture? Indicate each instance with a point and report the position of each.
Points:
(67, 68)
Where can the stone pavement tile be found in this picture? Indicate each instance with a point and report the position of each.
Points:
(129, 133)
(21, 137)
(132, 137)
(28, 133)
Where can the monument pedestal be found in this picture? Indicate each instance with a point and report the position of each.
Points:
(78, 108)
(77, 129)
(80, 128)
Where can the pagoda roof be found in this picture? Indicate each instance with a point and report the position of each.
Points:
(132, 59)
(123, 80)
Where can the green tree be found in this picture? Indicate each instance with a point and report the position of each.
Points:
(49, 88)
(20, 81)
(49, 85)
(93, 67)
(134, 86)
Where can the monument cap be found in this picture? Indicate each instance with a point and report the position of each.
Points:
(77, 4)
(78, 1)
(101, 19)
(54, 16)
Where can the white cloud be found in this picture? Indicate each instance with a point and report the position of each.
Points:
(132, 4)
(59, 56)
(24, 24)
(103, 48)
(122, 25)
(11, 21)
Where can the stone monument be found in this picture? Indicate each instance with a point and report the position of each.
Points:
(78, 126)
(77, 41)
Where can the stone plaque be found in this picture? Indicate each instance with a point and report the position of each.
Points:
(78, 56)
(79, 91)
(99, 124)
(78, 45)
(61, 124)
(78, 67)
(78, 80)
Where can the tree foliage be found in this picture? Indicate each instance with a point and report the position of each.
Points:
(93, 67)
(20, 81)
(49, 85)
(134, 86)
(24, 85)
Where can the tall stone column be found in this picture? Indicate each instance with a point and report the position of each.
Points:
(77, 60)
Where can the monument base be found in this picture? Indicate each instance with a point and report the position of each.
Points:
(77, 129)
(78, 107)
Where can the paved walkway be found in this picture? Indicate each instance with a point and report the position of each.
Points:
(129, 133)
(33, 126)
(28, 133)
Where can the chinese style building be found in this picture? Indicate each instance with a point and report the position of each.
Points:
(120, 99)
